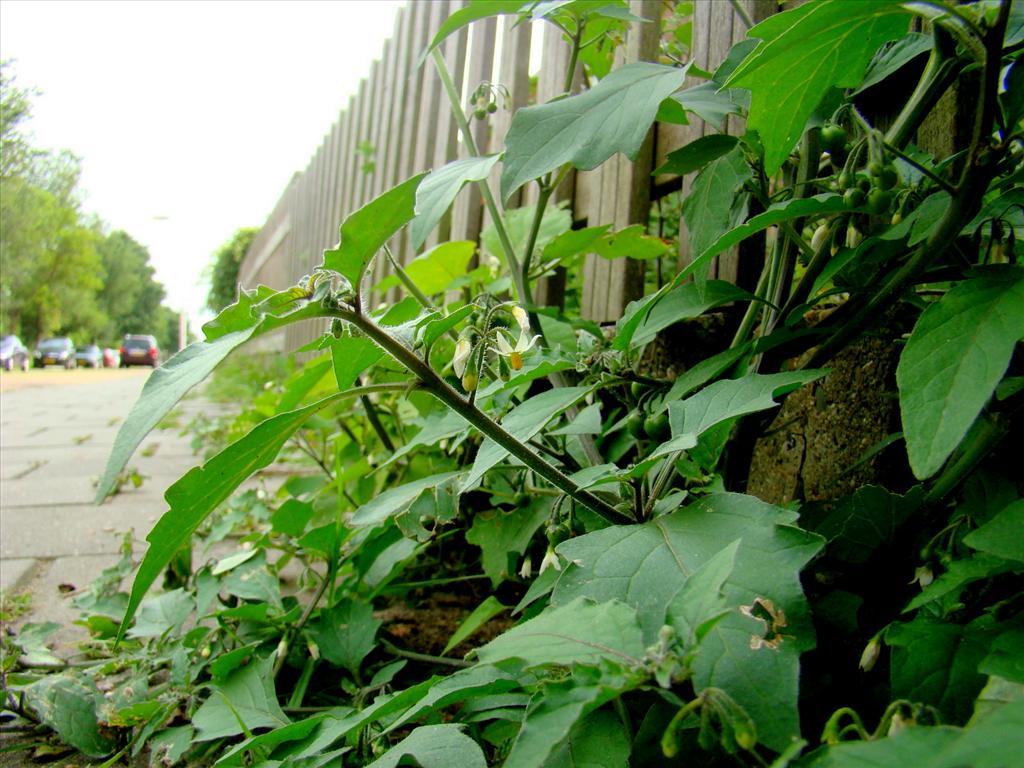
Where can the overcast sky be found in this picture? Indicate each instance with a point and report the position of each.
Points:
(190, 117)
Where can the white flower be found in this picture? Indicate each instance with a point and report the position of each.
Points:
(515, 354)
(527, 570)
(522, 318)
(550, 561)
(462, 351)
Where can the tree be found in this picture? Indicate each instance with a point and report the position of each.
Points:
(223, 268)
(129, 293)
(61, 274)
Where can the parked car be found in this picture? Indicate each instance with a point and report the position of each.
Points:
(58, 351)
(91, 356)
(139, 350)
(13, 354)
(111, 358)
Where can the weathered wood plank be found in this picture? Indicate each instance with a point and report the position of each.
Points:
(467, 212)
(625, 191)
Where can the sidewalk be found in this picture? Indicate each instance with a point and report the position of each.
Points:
(54, 442)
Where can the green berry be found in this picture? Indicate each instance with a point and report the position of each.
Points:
(853, 197)
(492, 108)
(656, 426)
(635, 424)
(480, 114)
(846, 181)
(875, 168)
(833, 138)
(888, 178)
(879, 201)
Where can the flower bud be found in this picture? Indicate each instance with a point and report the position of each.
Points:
(870, 655)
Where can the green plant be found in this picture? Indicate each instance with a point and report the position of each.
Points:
(672, 619)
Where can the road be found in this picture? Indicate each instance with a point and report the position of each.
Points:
(56, 431)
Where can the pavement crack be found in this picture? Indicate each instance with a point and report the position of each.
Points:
(30, 469)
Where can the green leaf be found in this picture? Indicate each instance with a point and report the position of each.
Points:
(243, 702)
(162, 612)
(892, 58)
(598, 739)
(577, 632)
(568, 245)
(68, 704)
(163, 389)
(589, 128)
(643, 319)
(439, 189)
(724, 400)
(647, 565)
(858, 525)
(483, 613)
(264, 744)
(437, 269)
(474, 11)
(717, 202)
(703, 372)
(365, 231)
(436, 327)
(936, 663)
(466, 684)
(994, 742)
(1006, 654)
(192, 498)
(434, 746)
(632, 242)
(523, 422)
(503, 535)
(292, 517)
(803, 53)
(167, 384)
(393, 500)
(959, 350)
(352, 355)
(437, 426)
(346, 633)
(518, 222)
(697, 154)
(701, 601)
(1003, 535)
(710, 102)
(587, 422)
(819, 205)
(553, 713)
(959, 574)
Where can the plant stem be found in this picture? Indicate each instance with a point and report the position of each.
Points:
(737, 6)
(485, 191)
(443, 392)
(425, 657)
(297, 629)
(940, 72)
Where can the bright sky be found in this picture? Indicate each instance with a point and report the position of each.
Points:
(189, 117)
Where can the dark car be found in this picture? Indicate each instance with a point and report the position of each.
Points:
(139, 350)
(91, 356)
(59, 351)
(13, 354)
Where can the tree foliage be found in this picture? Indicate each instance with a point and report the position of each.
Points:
(223, 269)
(61, 272)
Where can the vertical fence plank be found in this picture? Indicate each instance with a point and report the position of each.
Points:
(421, 33)
(466, 215)
(625, 192)
(446, 145)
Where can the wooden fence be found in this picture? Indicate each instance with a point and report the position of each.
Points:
(399, 124)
